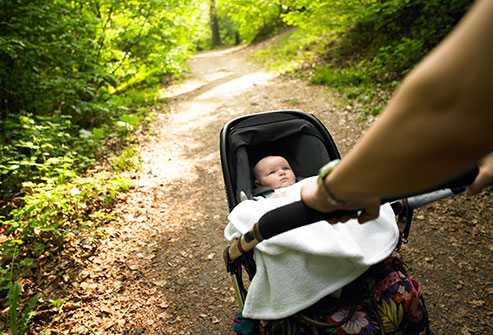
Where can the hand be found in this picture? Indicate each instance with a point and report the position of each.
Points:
(484, 177)
(314, 198)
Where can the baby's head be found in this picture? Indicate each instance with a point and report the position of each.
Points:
(273, 171)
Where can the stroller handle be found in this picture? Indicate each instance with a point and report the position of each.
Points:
(298, 214)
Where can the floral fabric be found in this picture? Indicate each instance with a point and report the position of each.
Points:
(394, 303)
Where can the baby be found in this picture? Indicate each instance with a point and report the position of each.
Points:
(274, 172)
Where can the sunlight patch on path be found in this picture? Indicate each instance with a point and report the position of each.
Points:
(182, 160)
(217, 66)
(237, 86)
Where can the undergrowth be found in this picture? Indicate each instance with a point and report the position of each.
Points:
(363, 49)
(293, 49)
(59, 181)
(367, 95)
(300, 54)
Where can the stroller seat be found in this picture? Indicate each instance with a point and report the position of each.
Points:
(297, 136)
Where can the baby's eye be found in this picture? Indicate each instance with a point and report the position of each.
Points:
(287, 168)
(272, 172)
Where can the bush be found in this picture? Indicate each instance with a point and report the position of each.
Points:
(342, 78)
(71, 56)
(393, 36)
(41, 149)
(52, 211)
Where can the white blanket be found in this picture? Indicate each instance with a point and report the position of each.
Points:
(297, 268)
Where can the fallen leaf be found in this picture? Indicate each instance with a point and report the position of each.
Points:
(71, 305)
(161, 283)
(476, 303)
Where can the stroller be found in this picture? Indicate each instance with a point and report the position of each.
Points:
(307, 145)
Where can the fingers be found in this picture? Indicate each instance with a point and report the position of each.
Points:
(369, 208)
(485, 176)
(343, 218)
(369, 214)
(363, 216)
(482, 180)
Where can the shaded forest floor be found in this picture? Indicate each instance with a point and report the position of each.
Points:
(159, 269)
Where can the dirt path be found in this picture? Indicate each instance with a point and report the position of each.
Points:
(160, 269)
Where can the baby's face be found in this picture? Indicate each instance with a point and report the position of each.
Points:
(275, 172)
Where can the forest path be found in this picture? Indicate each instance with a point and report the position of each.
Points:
(160, 269)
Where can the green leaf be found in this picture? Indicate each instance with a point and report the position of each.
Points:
(98, 132)
(28, 314)
(130, 119)
(14, 295)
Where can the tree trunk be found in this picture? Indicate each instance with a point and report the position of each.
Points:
(216, 37)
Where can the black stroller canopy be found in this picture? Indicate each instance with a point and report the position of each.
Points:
(297, 136)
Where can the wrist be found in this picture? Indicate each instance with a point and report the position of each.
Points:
(324, 189)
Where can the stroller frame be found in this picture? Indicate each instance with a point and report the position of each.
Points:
(242, 142)
(307, 145)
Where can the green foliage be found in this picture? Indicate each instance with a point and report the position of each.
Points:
(19, 317)
(323, 16)
(40, 149)
(368, 45)
(392, 36)
(137, 97)
(53, 211)
(128, 160)
(58, 303)
(398, 57)
(364, 94)
(293, 50)
(45, 200)
(73, 76)
(41, 56)
(254, 20)
(72, 55)
(345, 77)
(77, 78)
(43, 149)
(19, 322)
(228, 28)
(382, 43)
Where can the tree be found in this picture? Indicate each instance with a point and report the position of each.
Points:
(216, 37)
(64, 55)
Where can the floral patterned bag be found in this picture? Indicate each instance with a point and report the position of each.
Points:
(384, 300)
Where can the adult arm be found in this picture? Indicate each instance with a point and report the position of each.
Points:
(436, 126)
